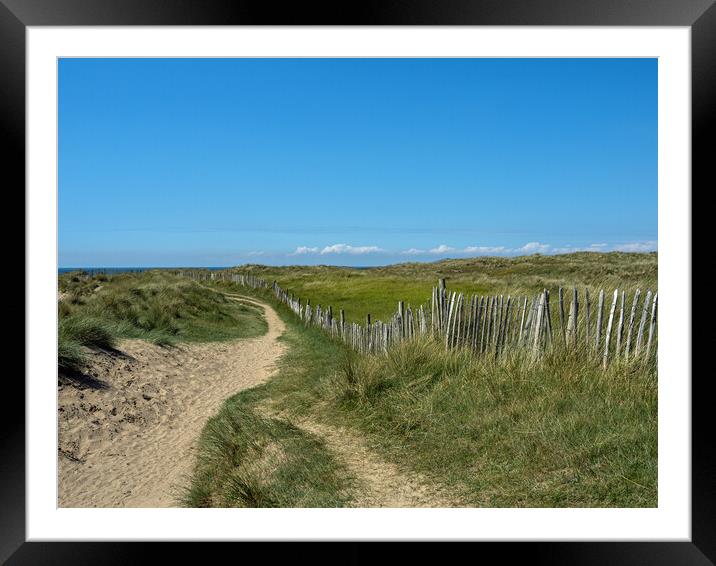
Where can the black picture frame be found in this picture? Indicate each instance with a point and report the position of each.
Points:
(699, 15)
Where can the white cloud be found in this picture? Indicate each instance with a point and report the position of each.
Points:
(442, 249)
(486, 250)
(529, 248)
(353, 250)
(572, 249)
(338, 249)
(648, 246)
(305, 250)
(533, 248)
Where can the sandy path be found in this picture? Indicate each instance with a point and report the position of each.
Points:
(377, 481)
(132, 443)
(381, 483)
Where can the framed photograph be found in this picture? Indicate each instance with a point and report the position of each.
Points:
(405, 273)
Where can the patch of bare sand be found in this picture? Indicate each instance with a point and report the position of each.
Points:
(128, 429)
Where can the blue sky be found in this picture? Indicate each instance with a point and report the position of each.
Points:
(211, 162)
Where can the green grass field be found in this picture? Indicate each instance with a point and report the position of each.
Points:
(376, 291)
(96, 311)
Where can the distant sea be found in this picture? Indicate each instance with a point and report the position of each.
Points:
(111, 270)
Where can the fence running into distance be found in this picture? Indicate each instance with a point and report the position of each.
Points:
(615, 327)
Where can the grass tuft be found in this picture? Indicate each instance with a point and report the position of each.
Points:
(76, 332)
(248, 460)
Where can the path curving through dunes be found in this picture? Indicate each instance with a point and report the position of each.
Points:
(129, 438)
(128, 435)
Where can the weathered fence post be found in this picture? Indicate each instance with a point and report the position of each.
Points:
(630, 330)
(522, 320)
(479, 325)
(609, 327)
(548, 319)
(561, 316)
(441, 305)
(570, 324)
(575, 302)
(530, 319)
(600, 315)
(505, 327)
(652, 326)
(644, 314)
(620, 326)
(449, 320)
(586, 314)
(538, 324)
(468, 321)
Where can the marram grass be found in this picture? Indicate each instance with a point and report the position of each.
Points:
(559, 431)
(94, 312)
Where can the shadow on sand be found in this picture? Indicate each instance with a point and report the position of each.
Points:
(79, 378)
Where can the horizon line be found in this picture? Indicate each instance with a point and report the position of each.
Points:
(508, 258)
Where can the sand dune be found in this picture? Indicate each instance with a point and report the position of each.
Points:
(127, 433)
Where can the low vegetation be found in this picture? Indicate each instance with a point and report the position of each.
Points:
(512, 433)
(248, 460)
(95, 311)
(376, 291)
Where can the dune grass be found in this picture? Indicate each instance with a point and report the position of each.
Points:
(511, 433)
(248, 460)
(95, 311)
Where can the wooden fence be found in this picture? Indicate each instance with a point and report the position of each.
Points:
(617, 327)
